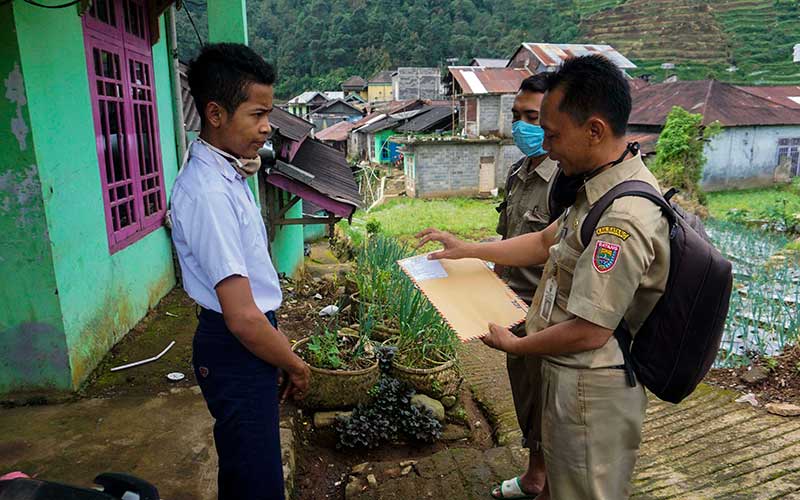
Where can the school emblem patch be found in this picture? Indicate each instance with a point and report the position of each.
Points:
(605, 256)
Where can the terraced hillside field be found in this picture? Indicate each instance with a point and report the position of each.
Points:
(703, 38)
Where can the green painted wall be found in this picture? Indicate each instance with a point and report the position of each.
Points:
(102, 295)
(287, 246)
(380, 139)
(227, 21)
(33, 351)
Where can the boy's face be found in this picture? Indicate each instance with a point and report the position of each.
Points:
(245, 131)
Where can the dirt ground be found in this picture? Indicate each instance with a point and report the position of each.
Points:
(138, 421)
(781, 385)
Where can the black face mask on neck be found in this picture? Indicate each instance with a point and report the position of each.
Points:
(565, 187)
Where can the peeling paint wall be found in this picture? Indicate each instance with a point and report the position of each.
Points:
(744, 157)
(33, 351)
(101, 295)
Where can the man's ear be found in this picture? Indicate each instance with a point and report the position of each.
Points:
(215, 114)
(597, 129)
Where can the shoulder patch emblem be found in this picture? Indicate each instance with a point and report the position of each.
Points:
(614, 231)
(605, 256)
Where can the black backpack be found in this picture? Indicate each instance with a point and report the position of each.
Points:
(678, 342)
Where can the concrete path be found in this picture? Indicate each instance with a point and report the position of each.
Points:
(165, 439)
(708, 447)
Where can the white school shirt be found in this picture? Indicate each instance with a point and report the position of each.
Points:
(218, 231)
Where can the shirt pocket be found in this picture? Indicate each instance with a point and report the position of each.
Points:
(566, 258)
(535, 220)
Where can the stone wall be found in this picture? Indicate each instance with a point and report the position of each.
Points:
(452, 168)
(417, 83)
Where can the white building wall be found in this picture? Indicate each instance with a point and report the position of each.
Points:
(742, 157)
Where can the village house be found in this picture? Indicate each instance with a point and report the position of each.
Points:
(546, 57)
(355, 85)
(760, 139)
(486, 96)
(416, 83)
(333, 112)
(367, 140)
(336, 135)
(379, 87)
(306, 103)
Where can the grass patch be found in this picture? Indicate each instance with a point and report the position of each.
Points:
(402, 218)
(758, 202)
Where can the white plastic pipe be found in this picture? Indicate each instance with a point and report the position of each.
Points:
(148, 360)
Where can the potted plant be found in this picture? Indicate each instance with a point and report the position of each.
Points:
(343, 367)
(426, 356)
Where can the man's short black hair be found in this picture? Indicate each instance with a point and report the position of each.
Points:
(223, 73)
(593, 85)
(535, 84)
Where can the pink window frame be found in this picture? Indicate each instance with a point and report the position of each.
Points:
(116, 39)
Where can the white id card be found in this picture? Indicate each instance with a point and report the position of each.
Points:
(548, 299)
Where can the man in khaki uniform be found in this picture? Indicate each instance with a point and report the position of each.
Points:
(525, 210)
(592, 420)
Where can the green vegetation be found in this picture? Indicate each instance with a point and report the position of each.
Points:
(319, 44)
(764, 314)
(776, 208)
(402, 218)
(396, 308)
(679, 151)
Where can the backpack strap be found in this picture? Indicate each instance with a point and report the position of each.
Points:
(640, 189)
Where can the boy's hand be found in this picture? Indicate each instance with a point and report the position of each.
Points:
(500, 338)
(298, 379)
(454, 248)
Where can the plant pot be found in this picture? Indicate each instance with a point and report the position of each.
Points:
(437, 382)
(332, 389)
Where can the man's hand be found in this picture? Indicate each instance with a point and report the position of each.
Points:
(297, 385)
(500, 338)
(454, 248)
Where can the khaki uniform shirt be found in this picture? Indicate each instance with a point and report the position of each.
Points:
(621, 274)
(526, 211)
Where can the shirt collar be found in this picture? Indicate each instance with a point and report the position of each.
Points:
(546, 169)
(209, 153)
(602, 183)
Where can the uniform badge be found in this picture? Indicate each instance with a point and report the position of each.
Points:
(605, 256)
(614, 231)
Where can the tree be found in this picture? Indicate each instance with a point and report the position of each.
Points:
(679, 152)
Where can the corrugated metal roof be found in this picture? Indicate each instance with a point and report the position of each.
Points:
(488, 62)
(306, 97)
(716, 101)
(431, 119)
(191, 118)
(475, 80)
(384, 76)
(290, 126)
(788, 95)
(335, 133)
(553, 54)
(330, 103)
(332, 174)
(354, 82)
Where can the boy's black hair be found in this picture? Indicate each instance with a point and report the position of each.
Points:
(593, 85)
(223, 73)
(535, 84)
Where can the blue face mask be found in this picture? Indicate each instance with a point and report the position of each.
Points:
(528, 138)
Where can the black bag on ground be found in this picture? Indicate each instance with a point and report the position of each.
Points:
(115, 486)
(679, 341)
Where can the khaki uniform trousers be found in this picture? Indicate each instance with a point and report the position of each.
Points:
(525, 375)
(591, 430)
